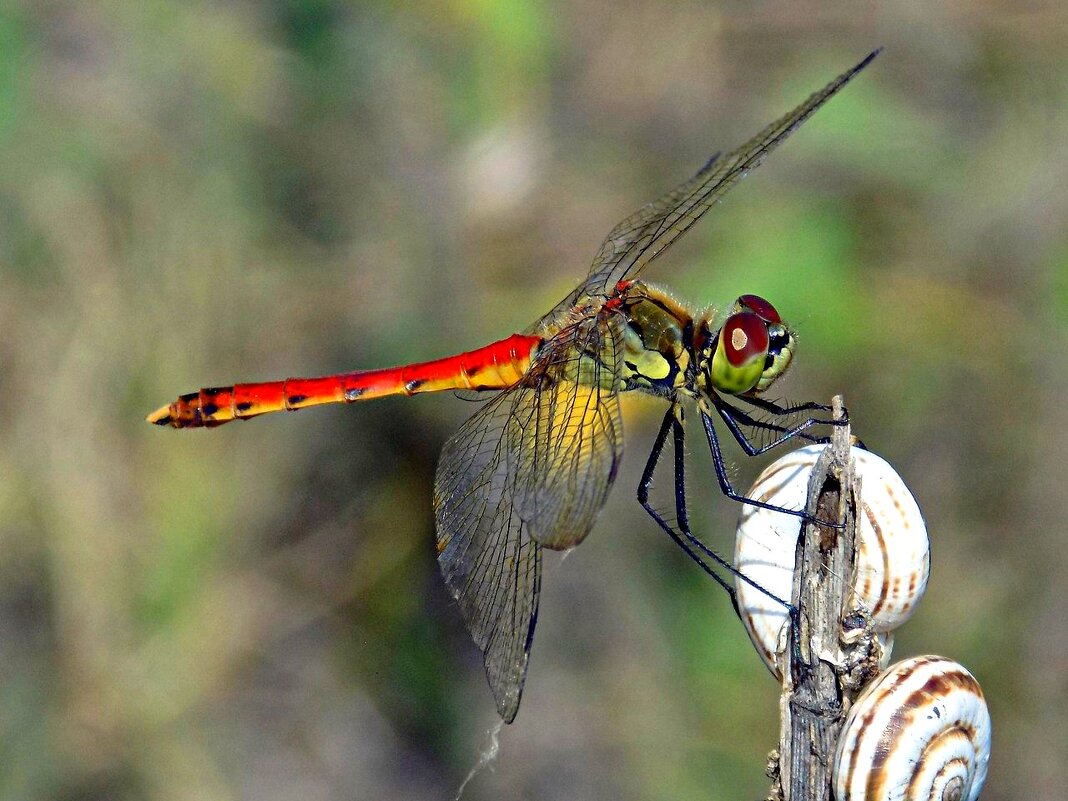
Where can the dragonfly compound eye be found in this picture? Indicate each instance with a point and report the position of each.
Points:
(758, 305)
(741, 353)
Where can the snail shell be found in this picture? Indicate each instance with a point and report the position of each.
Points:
(919, 731)
(893, 559)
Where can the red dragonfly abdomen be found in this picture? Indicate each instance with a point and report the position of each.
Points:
(495, 366)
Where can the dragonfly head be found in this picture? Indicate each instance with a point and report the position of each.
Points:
(751, 349)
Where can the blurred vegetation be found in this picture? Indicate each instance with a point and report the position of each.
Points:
(197, 193)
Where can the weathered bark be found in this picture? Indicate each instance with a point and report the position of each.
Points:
(831, 650)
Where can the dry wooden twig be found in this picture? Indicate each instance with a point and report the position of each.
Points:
(831, 650)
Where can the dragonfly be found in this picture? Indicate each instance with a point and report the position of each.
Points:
(532, 468)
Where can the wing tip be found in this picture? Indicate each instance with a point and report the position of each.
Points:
(838, 83)
(868, 59)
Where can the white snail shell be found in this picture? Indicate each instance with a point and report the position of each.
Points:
(919, 731)
(893, 559)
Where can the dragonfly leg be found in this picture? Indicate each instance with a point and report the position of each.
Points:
(643, 498)
(783, 411)
(779, 409)
(721, 467)
(734, 416)
(684, 538)
(795, 408)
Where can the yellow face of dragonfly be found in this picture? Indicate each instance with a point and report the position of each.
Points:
(752, 349)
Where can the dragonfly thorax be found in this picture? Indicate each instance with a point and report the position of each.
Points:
(657, 341)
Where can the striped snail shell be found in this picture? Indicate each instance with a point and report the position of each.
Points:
(921, 730)
(893, 559)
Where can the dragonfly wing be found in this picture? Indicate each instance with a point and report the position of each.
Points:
(504, 489)
(644, 235)
(489, 562)
(570, 441)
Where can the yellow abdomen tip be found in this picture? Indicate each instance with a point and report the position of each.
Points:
(161, 417)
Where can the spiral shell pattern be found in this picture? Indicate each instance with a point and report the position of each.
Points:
(921, 731)
(893, 559)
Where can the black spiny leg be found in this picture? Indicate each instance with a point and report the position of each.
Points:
(783, 411)
(743, 417)
(725, 481)
(687, 541)
(734, 416)
(643, 498)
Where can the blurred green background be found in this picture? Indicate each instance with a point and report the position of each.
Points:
(197, 193)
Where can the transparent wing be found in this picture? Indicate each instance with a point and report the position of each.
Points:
(532, 468)
(644, 235)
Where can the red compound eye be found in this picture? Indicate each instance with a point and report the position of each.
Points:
(745, 338)
(757, 304)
